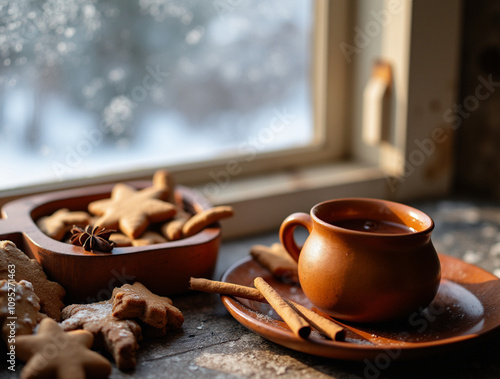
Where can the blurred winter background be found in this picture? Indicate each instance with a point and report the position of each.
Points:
(95, 86)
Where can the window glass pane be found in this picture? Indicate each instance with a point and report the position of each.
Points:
(89, 87)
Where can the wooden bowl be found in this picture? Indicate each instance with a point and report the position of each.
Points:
(87, 277)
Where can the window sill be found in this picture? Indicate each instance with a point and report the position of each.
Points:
(261, 203)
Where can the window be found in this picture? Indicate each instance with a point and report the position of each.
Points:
(92, 87)
(320, 56)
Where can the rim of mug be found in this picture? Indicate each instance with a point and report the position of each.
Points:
(430, 222)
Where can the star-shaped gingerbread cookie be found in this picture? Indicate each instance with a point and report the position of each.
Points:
(119, 337)
(52, 353)
(136, 301)
(131, 210)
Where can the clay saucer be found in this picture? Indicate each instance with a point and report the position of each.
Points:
(464, 311)
(164, 268)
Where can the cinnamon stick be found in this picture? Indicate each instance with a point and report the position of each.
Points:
(324, 325)
(321, 324)
(211, 286)
(276, 260)
(297, 324)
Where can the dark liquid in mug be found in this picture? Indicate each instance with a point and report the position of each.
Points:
(374, 226)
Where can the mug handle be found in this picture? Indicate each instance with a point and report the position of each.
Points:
(287, 228)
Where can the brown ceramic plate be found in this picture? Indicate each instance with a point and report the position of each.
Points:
(464, 311)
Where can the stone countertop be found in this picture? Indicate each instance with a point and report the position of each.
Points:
(214, 345)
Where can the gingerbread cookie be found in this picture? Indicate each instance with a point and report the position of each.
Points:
(148, 238)
(120, 240)
(23, 316)
(50, 293)
(132, 211)
(61, 222)
(205, 218)
(172, 230)
(119, 337)
(163, 179)
(52, 353)
(136, 301)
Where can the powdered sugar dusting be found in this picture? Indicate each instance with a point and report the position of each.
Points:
(464, 299)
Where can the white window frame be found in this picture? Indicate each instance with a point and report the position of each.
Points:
(422, 46)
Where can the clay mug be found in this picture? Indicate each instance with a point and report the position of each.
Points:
(365, 260)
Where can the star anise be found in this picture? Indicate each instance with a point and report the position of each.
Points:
(92, 238)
